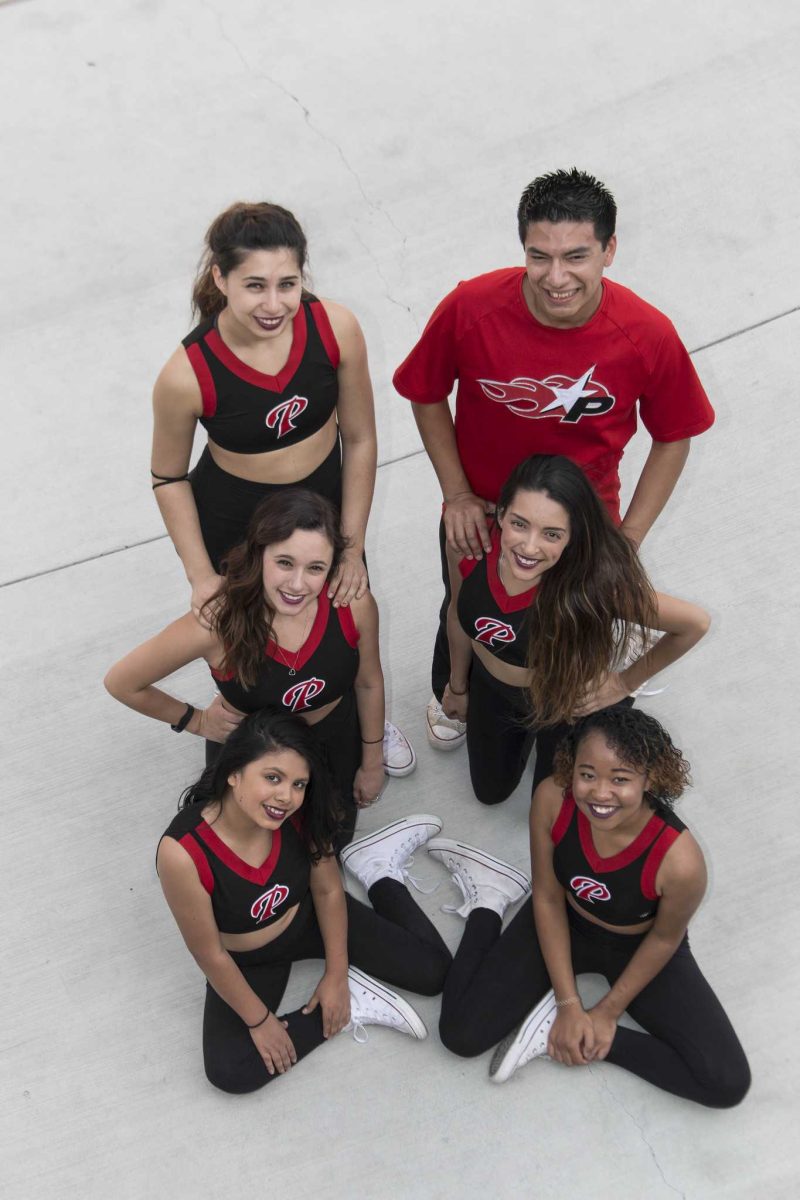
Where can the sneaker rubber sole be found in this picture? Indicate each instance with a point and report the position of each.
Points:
(514, 1047)
(473, 854)
(393, 1001)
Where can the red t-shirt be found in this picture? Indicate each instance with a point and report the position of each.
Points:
(526, 388)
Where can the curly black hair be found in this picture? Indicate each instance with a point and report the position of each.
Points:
(640, 741)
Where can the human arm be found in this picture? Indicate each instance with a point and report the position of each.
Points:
(680, 885)
(370, 703)
(190, 905)
(572, 1038)
(355, 412)
(464, 512)
(683, 625)
(132, 679)
(455, 699)
(332, 992)
(177, 404)
(660, 473)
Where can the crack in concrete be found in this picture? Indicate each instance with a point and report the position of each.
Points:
(600, 1075)
(374, 206)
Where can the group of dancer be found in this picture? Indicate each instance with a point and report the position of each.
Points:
(548, 629)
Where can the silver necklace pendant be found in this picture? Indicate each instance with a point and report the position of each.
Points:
(292, 671)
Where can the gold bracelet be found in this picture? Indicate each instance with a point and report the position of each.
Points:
(569, 1000)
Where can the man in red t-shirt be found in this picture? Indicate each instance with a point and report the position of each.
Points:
(550, 358)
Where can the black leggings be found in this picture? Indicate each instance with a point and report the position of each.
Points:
(500, 737)
(690, 1048)
(394, 940)
(339, 739)
(225, 503)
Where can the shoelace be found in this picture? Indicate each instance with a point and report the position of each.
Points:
(464, 909)
(358, 1031)
(393, 738)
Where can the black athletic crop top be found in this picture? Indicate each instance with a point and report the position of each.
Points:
(248, 412)
(322, 670)
(487, 613)
(620, 889)
(244, 898)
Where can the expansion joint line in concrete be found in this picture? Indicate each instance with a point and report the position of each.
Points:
(388, 463)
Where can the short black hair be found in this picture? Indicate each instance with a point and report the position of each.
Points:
(568, 196)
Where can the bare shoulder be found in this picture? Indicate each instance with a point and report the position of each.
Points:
(365, 612)
(346, 328)
(684, 866)
(177, 384)
(547, 801)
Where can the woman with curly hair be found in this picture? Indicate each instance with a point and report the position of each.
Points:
(276, 640)
(617, 879)
(540, 626)
(246, 869)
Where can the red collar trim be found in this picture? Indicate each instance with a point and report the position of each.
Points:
(287, 658)
(238, 865)
(273, 383)
(506, 603)
(625, 857)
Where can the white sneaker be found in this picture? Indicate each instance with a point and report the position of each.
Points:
(525, 1043)
(398, 754)
(484, 881)
(386, 854)
(372, 1003)
(444, 733)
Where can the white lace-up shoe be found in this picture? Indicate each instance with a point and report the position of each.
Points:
(372, 1003)
(387, 853)
(444, 733)
(484, 881)
(398, 754)
(525, 1043)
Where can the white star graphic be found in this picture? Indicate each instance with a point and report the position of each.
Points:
(567, 398)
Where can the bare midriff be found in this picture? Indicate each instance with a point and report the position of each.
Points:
(288, 464)
(259, 937)
(506, 672)
(310, 718)
(642, 927)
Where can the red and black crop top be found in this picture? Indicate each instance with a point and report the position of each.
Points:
(619, 889)
(244, 898)
(487, 613)
(322, 670)
(248, 412)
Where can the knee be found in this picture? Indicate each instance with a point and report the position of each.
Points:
(487, 791)
(433, 982)
(237, 1079)
(459, 1038)
(730, 1087)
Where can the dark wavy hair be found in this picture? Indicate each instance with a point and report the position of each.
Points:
(231, 236)
(640, 741)
(592, 604)
(261, 733)
(568, 196)
(239, 613)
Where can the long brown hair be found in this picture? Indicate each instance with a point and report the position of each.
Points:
(230, 238)
(591, 604)
(241, 616)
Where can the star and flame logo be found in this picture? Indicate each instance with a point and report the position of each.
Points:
(557, 396)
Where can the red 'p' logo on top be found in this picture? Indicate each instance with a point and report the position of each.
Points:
(263, 908)
(488, 630)
(281, 417)
(586, 888)
(300, 695)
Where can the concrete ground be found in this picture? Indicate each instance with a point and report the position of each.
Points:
(401, 135)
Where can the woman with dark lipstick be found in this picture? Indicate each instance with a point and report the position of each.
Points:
(280, 382)
(276, 640)
(538, 626)
(617, 879)
(246, 869)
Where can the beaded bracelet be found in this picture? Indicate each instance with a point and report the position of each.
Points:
(261, 1022)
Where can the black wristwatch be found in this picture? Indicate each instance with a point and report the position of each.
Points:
(185, 719)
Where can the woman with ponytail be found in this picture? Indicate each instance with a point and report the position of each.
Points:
(280, 382)
(277, 378)
(247, 870)
(540, 627)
